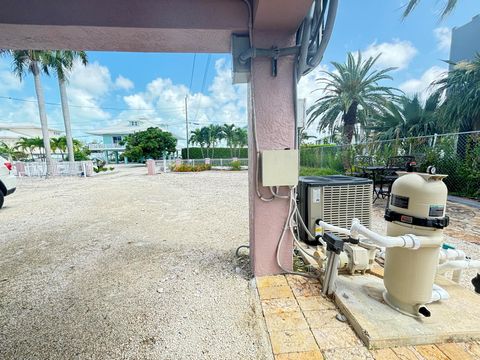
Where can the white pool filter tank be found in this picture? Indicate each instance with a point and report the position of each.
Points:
(416, 206)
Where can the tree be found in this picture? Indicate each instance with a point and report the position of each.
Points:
(35, 62)
(448, 7)
(461, 88)
(410, 118)
(149, 144)
(240, 138)
(26, 144)
(229, 135)
(62, 61)
(59, 143)
(215, 133)
(352, 95)
(198, 137)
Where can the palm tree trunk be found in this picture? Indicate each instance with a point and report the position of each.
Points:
(66, 119)
(43, 117)
(349, 120)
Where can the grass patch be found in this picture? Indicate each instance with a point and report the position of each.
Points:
(310, 171)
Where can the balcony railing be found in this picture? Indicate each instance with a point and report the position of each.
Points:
(94, 147)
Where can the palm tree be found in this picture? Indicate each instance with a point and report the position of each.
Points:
(216, 134)
(447, 7)
(197, 137)
(240, 138)
(59, 143)
(9, 151)
(26, 144)
(461, 88)
(35, 62)
(352, 95)
(62, 61)
(38, 143)
(229, 135)
(410, 118)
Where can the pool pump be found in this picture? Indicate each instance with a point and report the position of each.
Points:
(412, 248)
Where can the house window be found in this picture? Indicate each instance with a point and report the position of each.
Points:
(116, 139)
(133, 123)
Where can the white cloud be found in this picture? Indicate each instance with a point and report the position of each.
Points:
(164, 102)
(444, 38)
(124, 83)
(397, 53)
(8, 81)
(422, 85)
(87, 87)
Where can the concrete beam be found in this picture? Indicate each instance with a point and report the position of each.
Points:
(280, 15)
(122, 25)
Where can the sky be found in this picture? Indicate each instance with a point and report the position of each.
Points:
(117, 86)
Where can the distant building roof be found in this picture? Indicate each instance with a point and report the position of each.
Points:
(11, 126)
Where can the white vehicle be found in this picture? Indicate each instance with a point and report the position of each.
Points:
(8, 182)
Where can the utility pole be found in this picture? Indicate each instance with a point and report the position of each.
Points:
(186, 126)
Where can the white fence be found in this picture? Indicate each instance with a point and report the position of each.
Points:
(39, 169)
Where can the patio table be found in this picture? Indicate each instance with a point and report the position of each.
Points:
(375, 173)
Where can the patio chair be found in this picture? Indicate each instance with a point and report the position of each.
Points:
(359, 163)
(394, 164)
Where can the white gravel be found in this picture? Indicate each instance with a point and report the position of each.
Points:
(127, 266)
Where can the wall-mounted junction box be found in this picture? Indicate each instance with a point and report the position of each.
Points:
(240, 72)
(279, 167)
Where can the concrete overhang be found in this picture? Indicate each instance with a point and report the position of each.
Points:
(140, 25)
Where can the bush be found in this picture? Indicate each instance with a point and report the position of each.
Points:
(191, 168)
(111, 168)
(218, 153)
(310, 171)
(235, 165)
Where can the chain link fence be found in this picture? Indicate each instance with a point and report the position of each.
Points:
(456, 155)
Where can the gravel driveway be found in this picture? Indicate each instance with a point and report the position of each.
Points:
(127, 266)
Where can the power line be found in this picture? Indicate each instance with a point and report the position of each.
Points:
(203, 83)
(94, 107)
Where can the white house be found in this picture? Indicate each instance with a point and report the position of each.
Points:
(10, 133)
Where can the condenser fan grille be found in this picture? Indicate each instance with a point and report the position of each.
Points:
(343, 203)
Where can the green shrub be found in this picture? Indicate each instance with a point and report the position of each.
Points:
(111, 168)
(218, 153)
(235, 165)
(191, 168)
(310, 171)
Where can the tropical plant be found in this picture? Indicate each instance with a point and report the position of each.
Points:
(461, 88)
(229, 135)
(61, 61)
(25, 144)
(149, 144)
(410, 118)
(353, 94)
(215, 134)
(448, 7)
(240, 139)
(35, 62)
(198, 137)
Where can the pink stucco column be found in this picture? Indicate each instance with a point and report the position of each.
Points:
(274, 110)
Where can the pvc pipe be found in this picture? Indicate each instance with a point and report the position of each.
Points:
(451, 254)
(438, 293)
(331, 227)
(406, 241)
(458, 264)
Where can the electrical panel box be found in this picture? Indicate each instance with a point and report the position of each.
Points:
(279, 167)
(240, 72)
